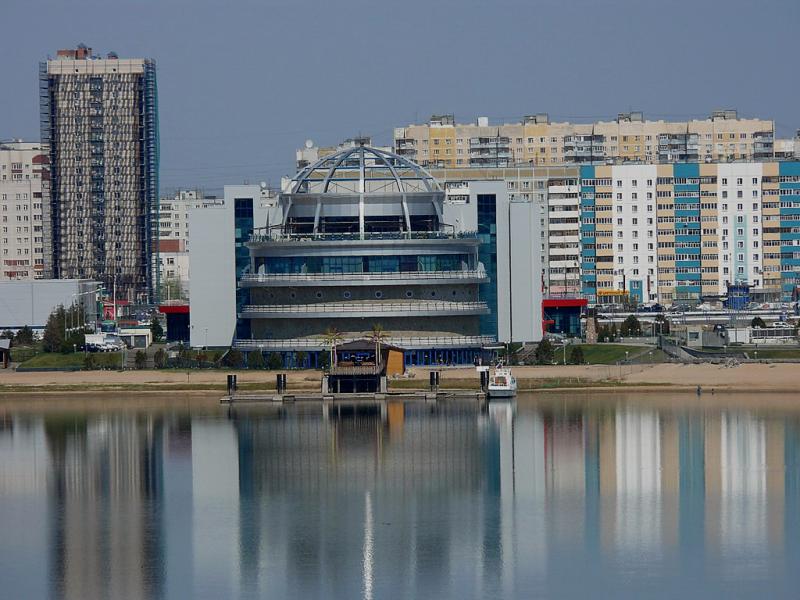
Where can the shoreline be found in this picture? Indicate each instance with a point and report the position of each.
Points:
(661, 377)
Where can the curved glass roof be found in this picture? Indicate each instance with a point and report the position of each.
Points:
(363, 170)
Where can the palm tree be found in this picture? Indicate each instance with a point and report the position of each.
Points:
(378, 335)
(332, 338)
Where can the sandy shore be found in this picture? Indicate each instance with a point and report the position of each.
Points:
(747, 377)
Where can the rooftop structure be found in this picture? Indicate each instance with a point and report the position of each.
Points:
(630, 137)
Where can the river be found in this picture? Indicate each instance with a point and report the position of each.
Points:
(550, 496)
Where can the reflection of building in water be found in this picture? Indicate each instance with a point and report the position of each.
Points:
(314, 486)
(638, 489)
(392, 500)
(106, 486)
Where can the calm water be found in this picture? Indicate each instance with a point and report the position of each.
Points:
(611, 497)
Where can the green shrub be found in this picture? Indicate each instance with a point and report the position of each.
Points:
(160, 358)
(576, 356)
(274, 362)
(255, 360)
(544, 352)
(233, 359)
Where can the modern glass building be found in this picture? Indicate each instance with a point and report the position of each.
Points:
(358, 242)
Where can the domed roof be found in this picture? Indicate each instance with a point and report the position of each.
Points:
(363, 169)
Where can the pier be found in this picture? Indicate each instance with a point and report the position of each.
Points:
(409, 396)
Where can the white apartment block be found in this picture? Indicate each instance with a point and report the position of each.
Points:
(739, 222)
(23, 172)
(635, 230)
(173, 237)
(564, 237)
(173, 214)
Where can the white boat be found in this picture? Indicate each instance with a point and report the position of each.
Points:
(502, 384)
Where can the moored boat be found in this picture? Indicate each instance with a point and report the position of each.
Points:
(502, 383)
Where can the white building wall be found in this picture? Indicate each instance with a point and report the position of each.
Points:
(739, 208)
(519, 267)
(212, 287)
(634, 214)
(212, 263)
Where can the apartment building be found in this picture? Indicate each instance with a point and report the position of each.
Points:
(99, 117)
(723, 136)
(173, 239)
(677, 233)
(23, 175)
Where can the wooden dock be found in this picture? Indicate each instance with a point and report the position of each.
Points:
(272, 397)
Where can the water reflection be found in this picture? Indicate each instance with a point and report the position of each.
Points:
(548, 497)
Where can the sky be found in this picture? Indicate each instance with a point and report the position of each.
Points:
(243, 83)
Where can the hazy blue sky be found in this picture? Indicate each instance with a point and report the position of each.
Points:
(243, 83)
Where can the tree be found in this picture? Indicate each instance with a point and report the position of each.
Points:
(255, 360)
(233, 359)
(140, 359)
(53, 337)
(603, 334)
(631, 327)
(300, 359)
(25, 336)
(160, 358)
(7, 335)
(544, 352)
(324, 361)
(89, 362)
(757, 322)
(274, 362)
(332, 338)
(576, 356)
(156, 329)
(613, 335)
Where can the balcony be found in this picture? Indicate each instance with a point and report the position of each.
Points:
(360, 278)
(421, 308)
(276, 235)
(405, 342)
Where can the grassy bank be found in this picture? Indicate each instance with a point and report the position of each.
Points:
(55, 360)
(604, 354)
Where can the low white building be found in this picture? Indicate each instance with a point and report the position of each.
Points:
(29, 303)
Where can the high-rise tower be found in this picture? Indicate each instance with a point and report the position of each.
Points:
(100, 119)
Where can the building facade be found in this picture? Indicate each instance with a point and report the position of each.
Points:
(24, 174)
(360, 240)
(224, 227)
(723, 136)
(99, 117)
(677, 233)
(173, 240)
